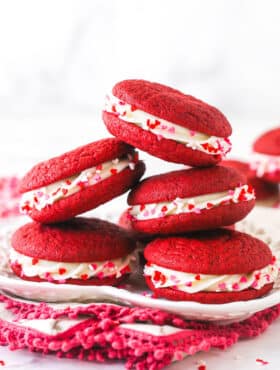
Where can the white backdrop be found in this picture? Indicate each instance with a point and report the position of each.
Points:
(58, 58)
(63, 55)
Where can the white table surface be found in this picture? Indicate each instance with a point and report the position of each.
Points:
(25, 141)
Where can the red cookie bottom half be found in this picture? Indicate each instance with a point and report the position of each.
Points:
(93, 281)
(224, 215)
(208, 297)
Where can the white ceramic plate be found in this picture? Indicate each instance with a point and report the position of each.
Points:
(262, 222)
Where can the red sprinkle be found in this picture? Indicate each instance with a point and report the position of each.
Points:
(61, 271)
(84, 276)
(158, 276)
(201, 367)
(35, 261)
(113, 171)
(262, 362)
(68, 182)
(2, 363)
(164, 209)
(197, 277)
(142, 207)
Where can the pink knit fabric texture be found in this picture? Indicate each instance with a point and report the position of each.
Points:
(99, 337)
(9, 196)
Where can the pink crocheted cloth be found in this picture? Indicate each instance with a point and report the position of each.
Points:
(9, 196)
(100, 336)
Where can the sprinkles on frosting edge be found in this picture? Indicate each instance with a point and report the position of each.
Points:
(211, 145)
(191, 205)
(42, 197)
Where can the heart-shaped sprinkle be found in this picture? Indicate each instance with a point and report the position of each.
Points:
(243, 279)
(61, 270)
(171, 130)
(222, 286)
(113, 171)
(84, 276)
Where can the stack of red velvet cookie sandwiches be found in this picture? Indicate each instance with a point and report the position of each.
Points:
(181, 213)
(185, 261)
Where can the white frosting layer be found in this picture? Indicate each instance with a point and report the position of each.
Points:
(263, 163)
(192, 283)
(49, 194)
(164, 129)
(52, 270)
(188, 205)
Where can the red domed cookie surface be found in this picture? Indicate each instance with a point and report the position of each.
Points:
(167, 123)
(265, 161)
(217, 266)
(80, 251)
(80, 180)
(263, 189)
(190, 200)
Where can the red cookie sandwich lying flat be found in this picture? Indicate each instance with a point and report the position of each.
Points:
(217, 266)
(80, 251)
(80, 180)
(189, 200)
(167, 123)
(266, 156)
(263, 189)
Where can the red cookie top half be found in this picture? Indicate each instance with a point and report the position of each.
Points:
(215, 252)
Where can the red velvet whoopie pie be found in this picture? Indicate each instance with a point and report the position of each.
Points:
(218, 266)
(263, 189)
(80, 180)
(81, 251)
(167, 123)
(190, 200)
(265, 161)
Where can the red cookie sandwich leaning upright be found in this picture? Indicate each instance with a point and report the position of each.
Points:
(167, 123)
(190, 200)
(78, 181)
(217, 266)
(80, 251)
